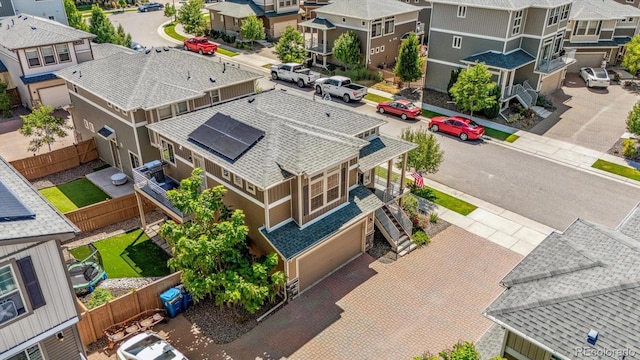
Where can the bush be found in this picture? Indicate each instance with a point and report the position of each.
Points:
(545, 102)
(98, 297)
(629, 149)
(360, 73)
(424, 193)
(492, 112)
(410, 205)
(420, 238)
(452, 80)
(433, 217)
(514, 118)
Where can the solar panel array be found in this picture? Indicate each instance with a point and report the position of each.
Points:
(226, 136)
(11, 207)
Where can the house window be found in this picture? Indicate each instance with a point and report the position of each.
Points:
(63, 53)
(377, 49)
(553, 16)
(457, 42)
(587, 27)
(366, 178)
(12, 300)
(324, 189)
(74, 88)
(222, 18)
(389, 26)
(558, 43)
(630, 1)
(31, 353)
(181, 107)
(564, 13)
(164, 112)
(517, 22)
(462, 11)
(48, 55)
(376, 28)
(382, 48)
(281, 3)
(594, 27)
(373, 51)
(167, 152)
(153, 138)
(215, 96)
(134, 159)
(33, 58)
(235, 21)
(225, 174)
(237, 180)
(251, 189)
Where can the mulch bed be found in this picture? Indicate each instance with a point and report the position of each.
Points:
(616, 150)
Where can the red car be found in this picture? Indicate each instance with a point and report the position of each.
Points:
(465, 129)
(403, 108)
(201, 45)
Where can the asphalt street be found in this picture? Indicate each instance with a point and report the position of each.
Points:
(143, 27)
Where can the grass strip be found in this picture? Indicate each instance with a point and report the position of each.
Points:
(227, 52)
(613, 168)
(170, 30)
(429, 114)
(59, 200)
(376, 98)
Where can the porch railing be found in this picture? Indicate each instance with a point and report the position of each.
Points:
(520, 91)
(401, 216)
(388, 225)
(318, 47)
(531, 91)
(551, 65)
(142, 181)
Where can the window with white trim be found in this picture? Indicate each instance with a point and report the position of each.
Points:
(134, 159)
(462, 11)
(237, 180)
(366, 178)
(517, 22)
(591, 27)
(225, 174)
(12, 300)
(564, 12)
(153, 138)
(630, 1)
(168, 153)
(382, 48)
(63, 53)
(251, 189)
(558, 42)
(373, 51)
(376, 28)
(215, 96)
(48, 55)
(33, 57)
(377, 49)
(457, 42)
(74, 88)
(181, 108)
(553, 16)
(389, 25)
(164, 112)
(324, 189)
(30, 353)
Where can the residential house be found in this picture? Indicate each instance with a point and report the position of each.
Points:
(301, 177)
(114, 98)
(598, 30)
(48, 9)
(425, 12)
(635, 3)
(38, 311)
(575, 296)
(276, 15)
(381, 26)
(31, 50)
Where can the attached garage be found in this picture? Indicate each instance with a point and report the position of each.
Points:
(552, 82)
(589, 59)
(328, 256)
(55, 96)
(278, 28)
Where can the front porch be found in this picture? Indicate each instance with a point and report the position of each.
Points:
(315, 42)
(152, 183)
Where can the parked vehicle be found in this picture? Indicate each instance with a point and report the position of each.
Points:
(294, 72)
(340, 86)
(403, 108)
(152, 6)
(148, 346)
(595, 77)
(465, 129)
(201, 45)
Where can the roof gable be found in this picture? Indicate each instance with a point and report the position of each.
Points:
(367, 9)
(25, 31)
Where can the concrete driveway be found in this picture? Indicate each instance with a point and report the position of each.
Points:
(593, 118)
(426, 301)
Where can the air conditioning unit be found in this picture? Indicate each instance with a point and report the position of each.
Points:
(7, 311)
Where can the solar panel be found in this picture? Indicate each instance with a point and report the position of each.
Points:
(226, 136)
(13, 209)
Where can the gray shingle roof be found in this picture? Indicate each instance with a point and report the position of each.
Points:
(25, 31)
(48, 220)
(382, 149)
(295, 141)
(601, 10)
(105, 50)
(617, 41)
(291, 241)
(585, 278)
(366, 9)
(239, 9)
(505, 4)
(513, 60)
(318, 23)
(150, 80)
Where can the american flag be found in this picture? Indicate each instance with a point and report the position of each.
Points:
(419, 179)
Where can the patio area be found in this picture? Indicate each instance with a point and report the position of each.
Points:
(102, 179)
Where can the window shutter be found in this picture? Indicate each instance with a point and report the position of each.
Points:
(305, 196)
(31, 282)
(343, 182)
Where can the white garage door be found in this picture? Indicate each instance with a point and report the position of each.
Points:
(551, 83)
(278, 28)
(586, 60)
(57, 96)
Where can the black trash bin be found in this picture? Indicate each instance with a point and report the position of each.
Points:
(187, 299)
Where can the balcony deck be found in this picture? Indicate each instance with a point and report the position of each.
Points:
(319, 48)
(157, 192)
(549, 66)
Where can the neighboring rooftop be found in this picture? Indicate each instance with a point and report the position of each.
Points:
(105, 50)
(585, 278)
(366, 9)
(601, 10)
(25, 31)
(150, 79)
(236, 8)
(510, 61)
(47, 220)
(506, 4)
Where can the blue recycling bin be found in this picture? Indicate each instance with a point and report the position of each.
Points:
(187, 299)
(172, 301)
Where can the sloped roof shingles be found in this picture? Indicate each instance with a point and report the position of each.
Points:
(25, 31)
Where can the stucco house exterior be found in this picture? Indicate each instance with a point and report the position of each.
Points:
(276, 15)
(38, 310)
(31, 50)
(302, 178)
(47, 9)
(114, 107)
(380, 25)
(575, 296)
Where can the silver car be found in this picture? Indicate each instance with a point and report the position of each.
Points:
(148, 346)
(595, 77)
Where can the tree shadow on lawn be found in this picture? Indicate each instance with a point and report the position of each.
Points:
(146, 258)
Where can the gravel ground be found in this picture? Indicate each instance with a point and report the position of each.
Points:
(67, 175)
(616, 150)
(119, 287)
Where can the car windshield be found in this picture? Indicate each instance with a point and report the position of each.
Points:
(472, 124)
(410, 105)
(600, 73)
(203, 41)
(142, 344)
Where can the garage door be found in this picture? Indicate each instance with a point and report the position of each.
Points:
(278, 28)
(586, 60)
(57, 96)
(329, 256)
(551, 83)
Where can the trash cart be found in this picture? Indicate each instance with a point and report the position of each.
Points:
(187, 299)
(172, 301)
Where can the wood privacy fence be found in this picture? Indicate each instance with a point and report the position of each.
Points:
(57, 160)
(107, 212)
(96, 320)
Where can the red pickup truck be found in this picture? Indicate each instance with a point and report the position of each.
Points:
(201, 45)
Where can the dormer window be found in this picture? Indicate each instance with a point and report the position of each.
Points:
(33, 57)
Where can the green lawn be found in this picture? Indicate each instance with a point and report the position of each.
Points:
(621, 170)
(170, 29)
(267, 66)
(130, 254)
(74, 195)
(226, 52)
(87, 13)
(429, 114)
(377, 98)
(500, 135)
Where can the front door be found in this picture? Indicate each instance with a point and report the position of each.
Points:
(115, 154)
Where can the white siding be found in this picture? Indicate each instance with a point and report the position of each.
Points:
(10, 60)
(348, 22)
(43, 9)
(44, 69)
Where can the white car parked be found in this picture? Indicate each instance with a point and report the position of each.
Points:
(595, 77)
(148, 346)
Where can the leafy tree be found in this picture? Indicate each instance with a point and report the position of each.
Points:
(346, 48)
(452, 80)
(121, 37)
(631, 59)
(43, 126)
(100, 26)
(633, 120)
(493, 111)
(190, 16)
(170, 11)
(409, 65)
(472, 90)
(290, 47)
(74, 16)
(427, 157)
(212, 252)
(252, 29)
(5, 100)
(460, 351)
(122, 4)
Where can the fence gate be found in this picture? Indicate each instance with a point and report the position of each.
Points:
(87, 151)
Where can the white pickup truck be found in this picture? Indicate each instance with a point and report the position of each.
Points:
(295, 73)
(340, 86)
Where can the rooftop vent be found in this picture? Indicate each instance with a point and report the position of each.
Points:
(592, 337)
(33, 28)
(165, 48)
(12, 22)
(74, 72)
(250, 100)
(158, 50)
(328, 114)
(24, 18)
(212, 79)
(19, 16)
(147, 51)
(188, 75)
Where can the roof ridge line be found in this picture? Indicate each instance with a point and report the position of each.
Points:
(619, 236)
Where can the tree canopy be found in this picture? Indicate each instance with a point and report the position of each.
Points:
(190, 16)
(74, 17)
(43, 127)
(252, 29)
(170, 11)
(427, 157)
(633, 120)
(212, 250)
(346, 48)
(5, 100)
(409, 65)
(631, 59)
(290, 47)
(100, 26)
(472, 90)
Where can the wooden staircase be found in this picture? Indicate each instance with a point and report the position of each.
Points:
(390, 226)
